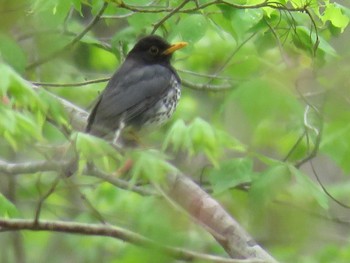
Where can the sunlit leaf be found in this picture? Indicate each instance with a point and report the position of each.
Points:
(334, 13)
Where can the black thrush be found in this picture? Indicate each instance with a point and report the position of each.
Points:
(144, 91)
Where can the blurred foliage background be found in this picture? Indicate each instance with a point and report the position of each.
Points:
(263, 119)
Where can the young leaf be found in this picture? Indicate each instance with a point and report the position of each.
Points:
(12, 53)
(269, 185)
(93, 148)
(7, 208)
(150, 164)
(230, 174)
(308, 189)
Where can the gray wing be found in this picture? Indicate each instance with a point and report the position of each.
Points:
(128, 94)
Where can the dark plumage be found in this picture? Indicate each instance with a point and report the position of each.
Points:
(144, 90)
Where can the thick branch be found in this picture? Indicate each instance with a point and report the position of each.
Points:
(109, 231)
(204, 209)
(188, 195)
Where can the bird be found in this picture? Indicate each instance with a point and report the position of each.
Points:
(143, 92)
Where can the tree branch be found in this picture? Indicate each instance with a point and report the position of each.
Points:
(110, 231)
(184, 192)
(204, 209)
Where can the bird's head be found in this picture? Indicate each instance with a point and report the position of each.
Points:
(154, 49)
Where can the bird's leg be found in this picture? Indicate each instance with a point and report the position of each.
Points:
(118, 133)
(127, 166)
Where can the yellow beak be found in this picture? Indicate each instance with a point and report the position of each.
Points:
(174, 47)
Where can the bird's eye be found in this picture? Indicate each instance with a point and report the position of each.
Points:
(153, 50)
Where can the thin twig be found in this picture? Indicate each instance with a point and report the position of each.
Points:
(174, 11)
(325, 189)
(193, 73)
(185, 83)
(279, 44)
(235, 51)
(74, 84)
(113, 232)
(318, 131)
(44, 197)
(295, 146)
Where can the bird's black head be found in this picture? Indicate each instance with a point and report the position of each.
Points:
(154, 50)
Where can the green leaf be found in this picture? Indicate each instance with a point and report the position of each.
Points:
(92, 147)
(199, 137)
(19, 91)
(269, 185)
(96, 150)
(230, 174)
(19, 127)
(306, 189)
(192, 28)
(7, 208)
(242, 20)
(262, 99)
(203, 137)
(336, 143)
(12, 53)
(77, 6)
(55, 109)
(306, 40)
(143, 21)
(150, 164)
(177, 137)
(336, 15)
(303, 39)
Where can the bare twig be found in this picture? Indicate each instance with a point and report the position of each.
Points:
(75, 84)
(318, 131)
(174, 11)
(234, 52)
(44, 197)
(325, 189)
(207, 87)
(279, 44)
(188, 84)
(193, 73)
(114, 232)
